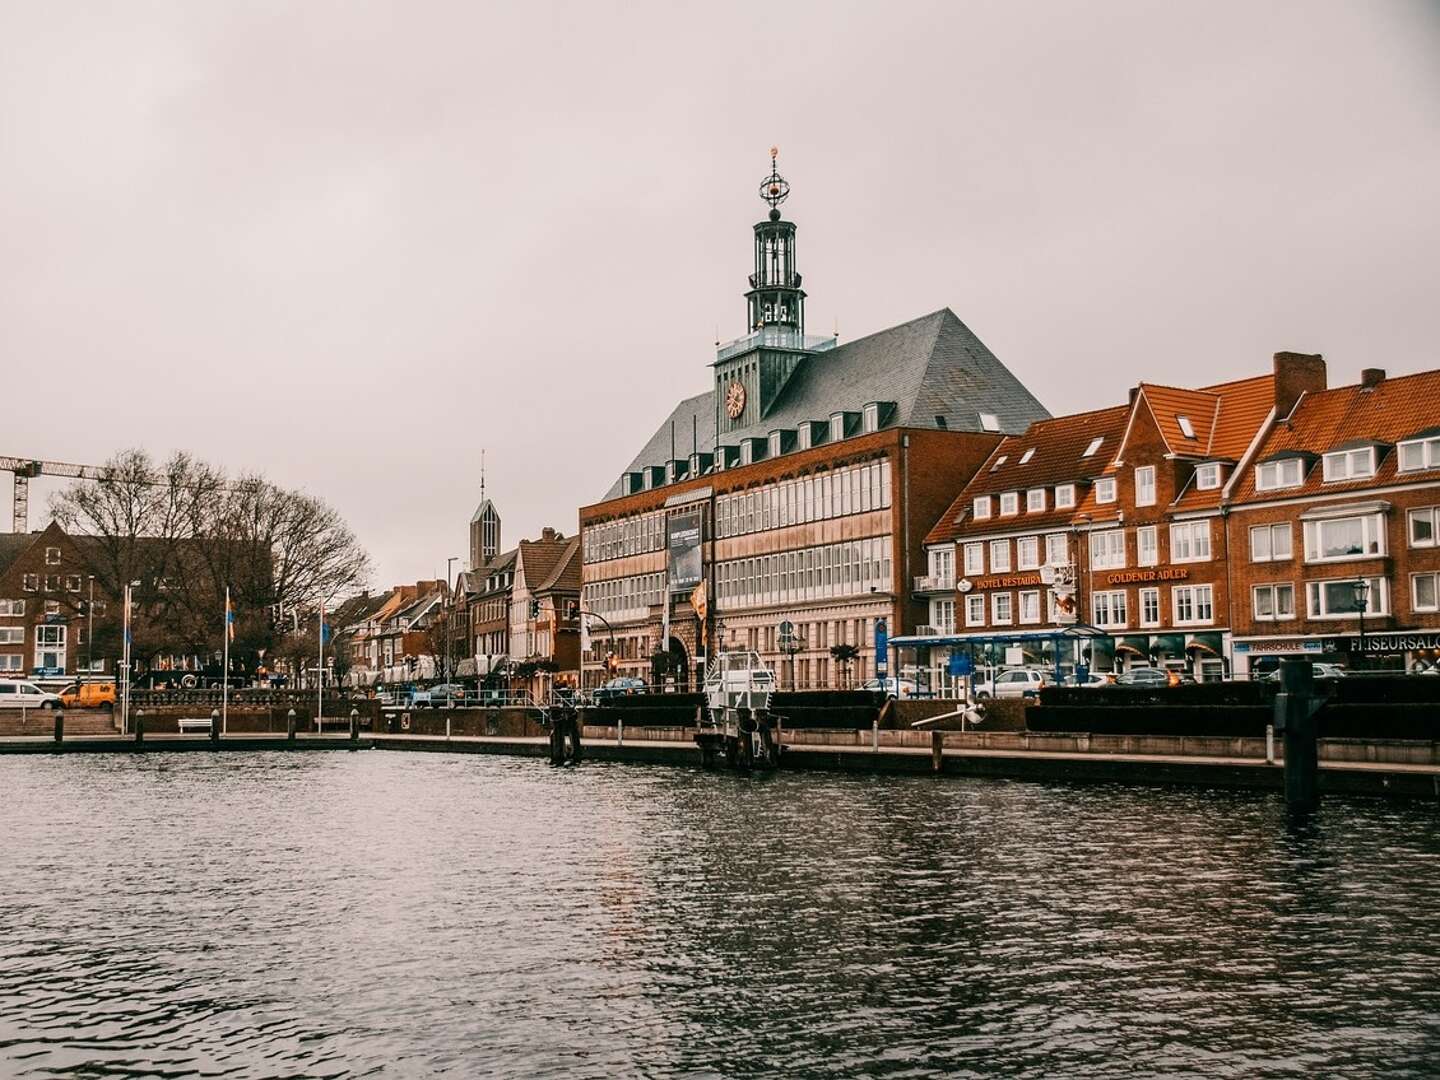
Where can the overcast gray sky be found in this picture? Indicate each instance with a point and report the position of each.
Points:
(351, 244)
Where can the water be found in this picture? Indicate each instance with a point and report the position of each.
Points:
(411, 915)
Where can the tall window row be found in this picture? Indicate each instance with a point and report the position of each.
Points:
(817, 573)
(629, 536)
(625, 596)
(854, 489)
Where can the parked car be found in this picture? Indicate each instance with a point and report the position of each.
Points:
(15, 694)
(620, 687)
(1093, 679)
(1154, 676)
(1015, 683)
(1323, 672)
(90, 695)
(894, 687)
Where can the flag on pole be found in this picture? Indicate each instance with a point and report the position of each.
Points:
(700, 601)
(229, 616)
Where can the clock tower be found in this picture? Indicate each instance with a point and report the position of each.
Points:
(751, 371)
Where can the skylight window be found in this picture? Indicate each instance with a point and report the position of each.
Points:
(989, 421)
(1186, 427)
(1000, 461)
(1094, 445)
(1027, 455)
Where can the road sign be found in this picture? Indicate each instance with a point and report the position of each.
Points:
(960, 665)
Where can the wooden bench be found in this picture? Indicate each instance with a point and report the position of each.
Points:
(194, 723)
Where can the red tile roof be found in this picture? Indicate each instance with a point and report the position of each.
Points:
(1326, 420)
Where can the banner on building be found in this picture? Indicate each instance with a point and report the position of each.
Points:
(699, 600)
(1061, 579)
(682, 540)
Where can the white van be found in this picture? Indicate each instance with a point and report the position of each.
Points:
(24, 695)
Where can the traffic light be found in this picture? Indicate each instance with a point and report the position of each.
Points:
(612, 663)
(534, 608)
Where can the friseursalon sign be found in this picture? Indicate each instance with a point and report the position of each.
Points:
(1404, 641)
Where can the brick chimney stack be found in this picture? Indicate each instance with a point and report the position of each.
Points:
(1296, 374)
(1372, 377)
(547, 533)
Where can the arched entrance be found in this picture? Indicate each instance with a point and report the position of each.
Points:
(679, 664)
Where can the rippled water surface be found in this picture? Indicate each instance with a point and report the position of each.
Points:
(414, 914)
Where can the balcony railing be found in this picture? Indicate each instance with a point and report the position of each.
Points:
(774, 337)
(935, 583)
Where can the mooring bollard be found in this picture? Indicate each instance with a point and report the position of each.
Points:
(59, 724)
(290, 726)
(620, 732)
(1295, 708)
(447, 725)
(139, 725)
(354, 725)
(1269, 744)
(937, 750)
(214, 725)
(875, 735)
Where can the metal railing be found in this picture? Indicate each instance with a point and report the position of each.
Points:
(935, 583)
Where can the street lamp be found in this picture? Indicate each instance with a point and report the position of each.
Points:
(449, 620)
(1361, 586)
(89, 633)
(125, 663)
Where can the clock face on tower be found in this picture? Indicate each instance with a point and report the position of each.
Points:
(735, 400)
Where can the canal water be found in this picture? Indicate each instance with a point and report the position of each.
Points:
(334, 914)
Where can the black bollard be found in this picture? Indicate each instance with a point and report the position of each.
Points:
(1295, 708)
(937, 751)
(59, 724)
(139, 725)
(214, 725)
(354, 726)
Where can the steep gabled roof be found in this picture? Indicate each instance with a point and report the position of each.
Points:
(539, 559)
(1390, 412)
(565, 575)
(1224, 417)
(930, 367)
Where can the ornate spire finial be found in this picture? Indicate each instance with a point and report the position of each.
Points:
(774, 189)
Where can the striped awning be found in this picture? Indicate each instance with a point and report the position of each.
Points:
(1136, 646)
(1210, 643)
(1168, 645)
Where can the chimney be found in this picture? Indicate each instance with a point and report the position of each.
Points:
(1296, 374)
(547, 533)
(1134, 393)
(1371, 377)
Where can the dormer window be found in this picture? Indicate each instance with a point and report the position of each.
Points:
(1186, 427)
(1207, 476)
(775, 449)
(1064, 496)
(1094, 446)
(989, 422)
(1105, 489)
(1420, 454)
(1009, 503)
(1000, 461)
(1286, 472)
(981, 507)
(872, 417)
(802, 437)
(837, 425)
(1035, 501)
(1349, 464)
(1027, 455)
(747, 453)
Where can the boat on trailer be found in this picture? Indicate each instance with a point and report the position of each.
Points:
(736, 723)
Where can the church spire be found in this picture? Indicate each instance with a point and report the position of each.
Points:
(775, 297)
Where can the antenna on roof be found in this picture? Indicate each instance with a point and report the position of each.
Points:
(482, 475)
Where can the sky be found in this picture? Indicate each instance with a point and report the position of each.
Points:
(352, 245)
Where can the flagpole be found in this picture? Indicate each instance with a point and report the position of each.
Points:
(225, 671)
(320, 676)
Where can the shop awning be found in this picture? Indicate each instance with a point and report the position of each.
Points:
(1101, 649)
(465, 668)
(1209, 643)
(1135, 646)
(1168, 645)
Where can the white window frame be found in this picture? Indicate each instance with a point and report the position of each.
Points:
(1030, 561)
(1186, 427)
(1035, 501)
(1430, 514)
(1105, 489)
(1106, 551)
(1207, 476)
(980, 508)
(1052, 541)
(1190, 541)
(974, 559)
(1182, 596)
(1272, 590)
(12, 607)
(1095, 445)
(1372, 533)
(1149, 597)
(1145, 485)
(1415, 604)
(1341, 465)
(1064, 496)
(1427, 450)
(12, 635)
(1110, 609)
(989, 422)
(1273, 475)
(1270, 532)
(1009, 503)
(1026, 456)
(1000, 617)
(975, 609)
(1379, 587)
(1147, 554)
(1030, 606)
(52, 556)
(1000, 556)
(12, 662)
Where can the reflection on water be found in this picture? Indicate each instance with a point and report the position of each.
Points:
(381, 913)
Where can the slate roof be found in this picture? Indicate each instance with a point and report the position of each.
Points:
(931, 366)
(1394, 411)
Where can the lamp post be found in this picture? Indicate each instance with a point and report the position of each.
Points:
(125, 663)
(1362, 602)
(449, 618)
(89, 632)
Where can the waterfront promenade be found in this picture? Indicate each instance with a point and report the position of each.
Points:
(1188, 763)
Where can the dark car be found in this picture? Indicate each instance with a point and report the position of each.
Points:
(620, 688)
(1145, 676)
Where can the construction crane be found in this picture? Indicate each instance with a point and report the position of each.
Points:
(26, 469)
